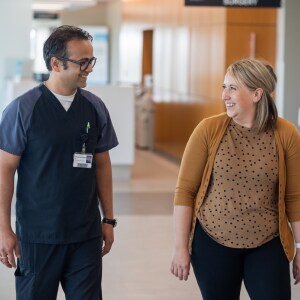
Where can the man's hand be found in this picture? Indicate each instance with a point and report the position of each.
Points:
(9, 248)
(107, 238)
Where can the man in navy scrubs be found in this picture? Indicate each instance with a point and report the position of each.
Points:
(57, 136)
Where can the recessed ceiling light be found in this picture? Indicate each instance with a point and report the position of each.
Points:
(48, 5)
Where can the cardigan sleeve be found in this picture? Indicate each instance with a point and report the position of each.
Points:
(292, 159)
(192, 166)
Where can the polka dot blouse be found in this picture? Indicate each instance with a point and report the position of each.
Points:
(240, 209)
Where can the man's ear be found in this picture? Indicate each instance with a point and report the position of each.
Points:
(257, 94)
(55, 64)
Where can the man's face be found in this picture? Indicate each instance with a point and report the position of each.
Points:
(72, 77)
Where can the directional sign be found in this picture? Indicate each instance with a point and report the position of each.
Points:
(234, 3)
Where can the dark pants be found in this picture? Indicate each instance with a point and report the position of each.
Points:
(41, 267)
(219, 270)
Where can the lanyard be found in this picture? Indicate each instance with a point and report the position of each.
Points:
(84, 137)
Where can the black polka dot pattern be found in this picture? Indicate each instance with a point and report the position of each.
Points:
(240, 209)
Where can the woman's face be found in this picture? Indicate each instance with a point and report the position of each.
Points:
(240, 102)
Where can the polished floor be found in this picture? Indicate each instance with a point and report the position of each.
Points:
(137, 268)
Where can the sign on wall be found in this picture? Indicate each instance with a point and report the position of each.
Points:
(234, 3)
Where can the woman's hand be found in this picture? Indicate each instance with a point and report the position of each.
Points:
(296, 266)
(180, 265)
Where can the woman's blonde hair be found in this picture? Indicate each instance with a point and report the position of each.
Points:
(253, 74)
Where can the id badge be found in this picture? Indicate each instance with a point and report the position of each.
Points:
(82, 160)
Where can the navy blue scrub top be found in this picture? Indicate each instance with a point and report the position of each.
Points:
(56, 203)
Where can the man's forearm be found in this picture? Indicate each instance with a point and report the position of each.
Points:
(6, 194)
(8, 166)
(104, 185)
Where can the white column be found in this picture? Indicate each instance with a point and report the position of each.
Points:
(15, 27)
(288, 61)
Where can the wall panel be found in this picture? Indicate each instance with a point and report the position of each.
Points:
(200, 54)
(175, 121)
(238, 42)
(241, 22)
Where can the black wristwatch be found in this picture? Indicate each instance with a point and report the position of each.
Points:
(112, 222)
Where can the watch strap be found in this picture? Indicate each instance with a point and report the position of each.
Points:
(112, 222)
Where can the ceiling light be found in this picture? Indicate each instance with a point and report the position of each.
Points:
(49, 6)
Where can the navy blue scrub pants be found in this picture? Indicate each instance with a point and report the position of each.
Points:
(41, 267)
(219, 270)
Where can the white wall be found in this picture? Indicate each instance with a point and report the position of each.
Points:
(292, 60)
(119, 101)
(15, 24)
(113, 21)
(103, 14)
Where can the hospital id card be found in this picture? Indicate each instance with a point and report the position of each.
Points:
(82, 160)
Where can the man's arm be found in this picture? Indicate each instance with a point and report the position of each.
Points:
(104, 190)
(8, 241)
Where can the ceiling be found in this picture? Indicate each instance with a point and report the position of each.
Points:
(57, 5)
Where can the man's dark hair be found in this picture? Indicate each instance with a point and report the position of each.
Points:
(56, 44)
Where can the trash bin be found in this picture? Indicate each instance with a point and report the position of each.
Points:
(144, 120)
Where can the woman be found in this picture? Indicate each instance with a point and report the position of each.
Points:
(237, 189)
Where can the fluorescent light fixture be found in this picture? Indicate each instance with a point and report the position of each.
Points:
(48, 5)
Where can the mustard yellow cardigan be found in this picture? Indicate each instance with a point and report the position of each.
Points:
(198, 160)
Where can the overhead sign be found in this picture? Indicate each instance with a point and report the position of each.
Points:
(234, 3)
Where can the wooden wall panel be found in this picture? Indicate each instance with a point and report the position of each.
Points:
(258, 16)
(238, 42)
(147, 53)
(241, 22)
(175, 121)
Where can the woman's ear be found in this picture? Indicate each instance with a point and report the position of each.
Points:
(257, 94)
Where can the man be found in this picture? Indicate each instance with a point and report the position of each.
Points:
(57, 136)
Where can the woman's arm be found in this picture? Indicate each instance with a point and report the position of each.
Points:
(292, 192)
(180, 265)
(296, 261)
(189, 180)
